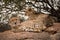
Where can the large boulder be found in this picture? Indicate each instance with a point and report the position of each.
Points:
(8, 35)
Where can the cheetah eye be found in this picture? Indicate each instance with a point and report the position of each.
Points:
(15, 23)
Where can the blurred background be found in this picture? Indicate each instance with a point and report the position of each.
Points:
(16, 7)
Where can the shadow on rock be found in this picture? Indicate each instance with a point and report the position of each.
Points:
(4, 27)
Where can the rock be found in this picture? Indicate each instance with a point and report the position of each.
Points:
(42, 36)
(4, 27)
(51, 30)
(56, 36)
(8, 35)
(56, 26)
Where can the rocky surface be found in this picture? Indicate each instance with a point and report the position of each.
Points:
(24, 36)
(9, 35)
